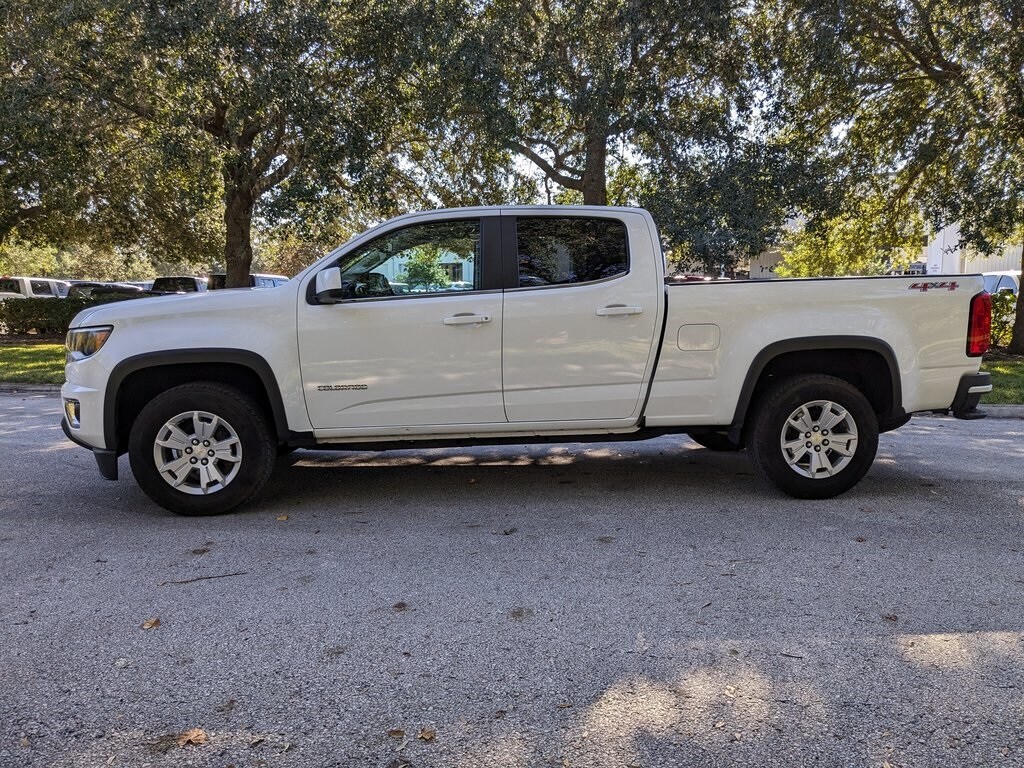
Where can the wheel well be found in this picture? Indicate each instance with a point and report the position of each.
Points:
(865, 369)
(141, 386)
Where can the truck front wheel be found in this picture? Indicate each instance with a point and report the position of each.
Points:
(201, 449)
(813, 437)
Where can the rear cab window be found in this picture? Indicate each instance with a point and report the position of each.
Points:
(41, 288)
(569, 250)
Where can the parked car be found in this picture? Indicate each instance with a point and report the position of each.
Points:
(1007, 280)
(85, 290)
(185, 284)
(256, 280)
(32, 288)
(589, 345)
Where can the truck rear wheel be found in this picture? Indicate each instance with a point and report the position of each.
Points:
(201, 449)
(813, 437)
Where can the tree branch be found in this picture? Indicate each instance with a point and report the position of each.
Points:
(278, 175)
(559, 178)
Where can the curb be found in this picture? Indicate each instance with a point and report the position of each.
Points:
(1003, 411)
(36, 389)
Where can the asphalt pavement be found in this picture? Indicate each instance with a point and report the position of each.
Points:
(627, 604)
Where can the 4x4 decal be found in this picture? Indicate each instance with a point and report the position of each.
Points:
(925, 287)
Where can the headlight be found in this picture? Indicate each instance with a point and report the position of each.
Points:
(83, 342)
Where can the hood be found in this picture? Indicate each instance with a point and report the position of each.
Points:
(184, 304)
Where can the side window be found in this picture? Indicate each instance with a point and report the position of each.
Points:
(10, 286)
(41, 288)
(437, 257)
(1006, 283)
(557, 251)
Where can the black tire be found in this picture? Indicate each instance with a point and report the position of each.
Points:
(791, 470)
(715, 441)
(244, 464)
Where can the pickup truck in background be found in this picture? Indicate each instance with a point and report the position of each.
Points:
(568, 331)
(180, 284)
(32, 288)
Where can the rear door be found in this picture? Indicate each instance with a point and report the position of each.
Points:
(582, 303)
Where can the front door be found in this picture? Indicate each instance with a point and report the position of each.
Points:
(416, 340)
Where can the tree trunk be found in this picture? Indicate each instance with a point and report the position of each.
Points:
(239, 201)
(1017, 339)
(595, 181)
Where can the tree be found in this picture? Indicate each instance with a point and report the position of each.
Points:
(255, 93)
(424, 268)
(928, 92)
(870, 238)
(574, 86)
(72, 171)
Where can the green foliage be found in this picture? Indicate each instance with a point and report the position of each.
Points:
(423, 268)
(1007, 379)
(574, 86)
(1004, 312)
(872, 238)
(76, 262)
(32, 363)
(46, 317)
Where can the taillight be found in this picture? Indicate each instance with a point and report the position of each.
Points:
(979, 327)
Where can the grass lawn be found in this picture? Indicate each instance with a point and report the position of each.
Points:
(1007, 378)
(43, 363)
(32, 363)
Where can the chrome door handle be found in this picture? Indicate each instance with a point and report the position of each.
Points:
(467, 319)
(619, 309)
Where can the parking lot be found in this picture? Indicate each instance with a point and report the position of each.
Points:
(626, 604)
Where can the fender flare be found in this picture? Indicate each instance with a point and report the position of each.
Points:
(810, 343)
(240, 357)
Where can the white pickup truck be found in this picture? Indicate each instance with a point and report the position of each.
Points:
(516, 325)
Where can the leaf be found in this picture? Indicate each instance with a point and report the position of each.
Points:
(426, 734)
(399, 607)
(564, 705)
(193, 736)
(396, 733)
(859, 539)
(891, 617)
(282, 518)
(151, 623)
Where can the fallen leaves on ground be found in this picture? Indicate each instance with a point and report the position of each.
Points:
(192, 737)
(282, 518)
(151, 623)
(426, 734)
(396, 733)
(399, 607)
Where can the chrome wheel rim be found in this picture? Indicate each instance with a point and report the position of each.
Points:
(197, 452)
(819, 439)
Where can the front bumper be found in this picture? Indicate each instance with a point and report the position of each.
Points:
(968, 394)
(105, 460)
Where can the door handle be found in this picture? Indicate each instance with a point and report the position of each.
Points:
(467, 319)
(615, 310)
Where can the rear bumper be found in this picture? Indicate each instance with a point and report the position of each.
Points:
(968, 393)
(106, 460)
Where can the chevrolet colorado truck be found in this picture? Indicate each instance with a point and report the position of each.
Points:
(516, 325)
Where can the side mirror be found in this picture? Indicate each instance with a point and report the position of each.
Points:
(328, 286)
